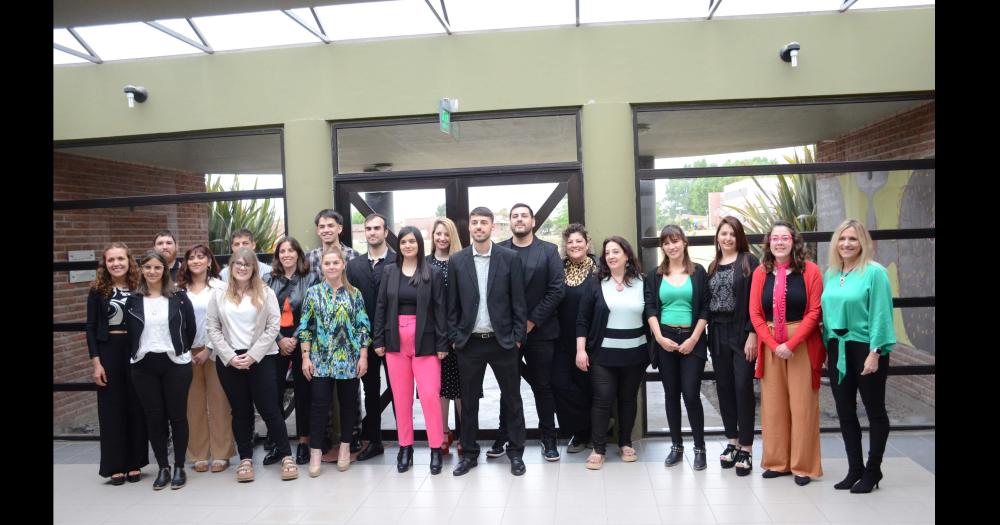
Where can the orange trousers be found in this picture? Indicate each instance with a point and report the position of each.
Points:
(210, 421)
(789, 413)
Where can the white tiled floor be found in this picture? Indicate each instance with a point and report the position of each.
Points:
(638, 493)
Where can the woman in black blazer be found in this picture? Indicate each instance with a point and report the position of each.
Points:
(612, 343)
(733, 342)
(677, 313)
(122, 423)
(411, 325)
(161, 329)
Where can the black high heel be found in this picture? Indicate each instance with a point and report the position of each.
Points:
(405, 458)
(852, 477)
(869, 480)
(743, 456)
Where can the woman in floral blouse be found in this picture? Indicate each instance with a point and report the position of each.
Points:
(334, 333)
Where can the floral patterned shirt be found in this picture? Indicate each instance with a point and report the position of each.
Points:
(336, 326)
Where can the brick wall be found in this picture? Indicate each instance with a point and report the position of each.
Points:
(78, 177)
(905, 135)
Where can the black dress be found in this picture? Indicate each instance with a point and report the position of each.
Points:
(449, 365)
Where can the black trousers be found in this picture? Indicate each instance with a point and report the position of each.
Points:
(472, 361)
(572, 391)
(162, 386)
(371, 426)
(733, 379)
(681, 376)
(246, 389)
(322, 396)
(303, 393)
(537, 371)
(608, 383)
(845, 394)
(119, 412)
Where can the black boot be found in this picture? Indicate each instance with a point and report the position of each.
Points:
(180, 478)
(436, 460)
(700, 461)
(676, 456)
(869, 480)
(852, 477)
(273, 456)
(162, 479)
(405, 458)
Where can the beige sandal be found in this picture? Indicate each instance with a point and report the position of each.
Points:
(342, 463)
(244, 472)
(595, 461)
(201, 466)
(289, 470)
(219, 465)
(628, 454)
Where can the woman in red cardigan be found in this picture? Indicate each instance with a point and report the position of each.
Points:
(785, 313)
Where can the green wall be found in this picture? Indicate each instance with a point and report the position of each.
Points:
(608, 67)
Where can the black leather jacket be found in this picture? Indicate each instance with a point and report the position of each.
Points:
(295, 290)
(180, 317)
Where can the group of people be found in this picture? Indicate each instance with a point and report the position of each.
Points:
(581, 329)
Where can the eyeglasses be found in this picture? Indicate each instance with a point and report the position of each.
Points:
(242, 265)
(781, 238)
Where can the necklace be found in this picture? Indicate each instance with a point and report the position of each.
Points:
(843, 275)
(619, 285)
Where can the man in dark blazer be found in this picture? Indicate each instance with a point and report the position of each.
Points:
(486, 324)
(365, 273)
(543, 291)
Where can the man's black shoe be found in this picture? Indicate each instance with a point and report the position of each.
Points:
(373, 449)
(273, 456)
(496, 450)
(549, 450)
(464, 466)
(517, 467)
(355, 444)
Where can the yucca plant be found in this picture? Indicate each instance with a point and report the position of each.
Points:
(257, 215)
(794, 200)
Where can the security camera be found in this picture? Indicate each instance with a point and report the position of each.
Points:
(790, 53)
(135, 94)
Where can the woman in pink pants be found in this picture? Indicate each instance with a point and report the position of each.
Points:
(411, 332)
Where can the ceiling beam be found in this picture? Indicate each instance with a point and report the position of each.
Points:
(318, 34)
(90, 55)
(203, 45)
(712, 6)
(846, 5)
(444, 24)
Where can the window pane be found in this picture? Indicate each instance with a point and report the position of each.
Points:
(167, 167)
(473, 143)
(761, 7)
(499, 200)
(249, 30)
(376, 19)
(477, 15)
(417, 208)
(132, 40)
(843, 131)
(594, 11)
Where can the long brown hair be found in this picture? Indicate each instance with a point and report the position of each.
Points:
(184, 277)
(104, 283)
(256, 288)
(674, 233)
(301, 262)
(633, 270)
(167, 287)
(798, 255)
(742, 245)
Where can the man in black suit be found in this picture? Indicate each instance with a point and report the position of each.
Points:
(486, 324)
(543, 291)
(365, 274)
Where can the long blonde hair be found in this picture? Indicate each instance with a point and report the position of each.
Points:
(449, 225)
(256, 288)
(835, 261)
(343, 275)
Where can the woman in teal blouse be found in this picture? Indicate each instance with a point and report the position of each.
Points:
(858, 331)
(335, 333)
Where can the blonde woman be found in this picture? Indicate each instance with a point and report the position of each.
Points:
(242, 323)
(334, 334)
(858, 332)
(444, 235)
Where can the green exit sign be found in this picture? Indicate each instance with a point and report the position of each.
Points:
(445, 108)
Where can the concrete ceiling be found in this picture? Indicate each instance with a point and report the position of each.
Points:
(245, 154)
(689, 133)
(494, 142)
(79, 13)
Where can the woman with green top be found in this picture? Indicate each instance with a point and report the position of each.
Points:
(677, 312)
(858, 331)
(334, 335)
